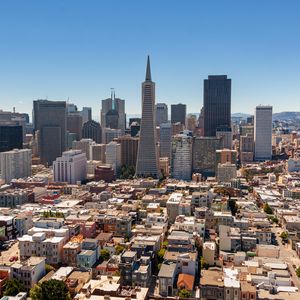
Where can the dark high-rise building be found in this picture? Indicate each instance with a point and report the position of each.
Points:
(11, 137)
(92, 130)
(204, 155)
(147, 160)
(74, 124)
(161, 113)
(217, 103)
(178, 113)
(50, 120)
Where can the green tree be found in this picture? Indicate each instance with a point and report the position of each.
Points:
(127, 172)
(232, 206)
(49, 268)
(183, 293)
(160, 255)
(267, 209)
(50, 290)
(13, 287)
(298, 271)
(104, 254)
(203, 264)
(119, 249)
(284, 235)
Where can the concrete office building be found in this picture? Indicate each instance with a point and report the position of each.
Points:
(191, 122)
(113, 113)
(92, 130)
(110, 134)
(246, 148)
(11, 137)
(85, 146)
(226, 172)
(217, 103)
(74, 124)
(147, 160)
(113, 156)
(178, 113)
(161, 113)
(129, 149)
(98, 152)
(15, 164)
(165, 140)
(181, 161)
(263, 133)
(225, 134)
(71, 167)
(226, 156)
(204, 155)
(50, 119)
(86, 114)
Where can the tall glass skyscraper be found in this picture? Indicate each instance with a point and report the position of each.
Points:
(147, 160)
(217, 103)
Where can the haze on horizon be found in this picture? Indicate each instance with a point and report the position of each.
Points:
(78, 50)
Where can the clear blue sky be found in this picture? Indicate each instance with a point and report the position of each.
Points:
(80, 49)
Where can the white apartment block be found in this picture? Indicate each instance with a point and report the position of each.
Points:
(181, 161)
(38, 244)
(29, 272)
(113, 155)
(15, 164)
(70, 167)
(263, 132)
(85, 145)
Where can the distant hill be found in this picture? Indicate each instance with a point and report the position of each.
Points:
(287, 115)
(240, 115)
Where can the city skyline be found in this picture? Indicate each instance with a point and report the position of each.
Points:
(81, 55)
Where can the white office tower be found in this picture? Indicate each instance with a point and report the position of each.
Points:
(165, 139)
(263, 133)
(113, 156)
(71, 167)
(15, 164)
(161, 113)
(110, 134)
(181, 161)
(85, 145)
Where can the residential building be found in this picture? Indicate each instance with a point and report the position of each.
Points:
(129, 149)
(15, 164)
(85, 145)
(29, 272)
(204, 154)
(181, 161)
(113, 156)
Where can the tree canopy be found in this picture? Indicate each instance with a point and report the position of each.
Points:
(50, 290)
(13, 287)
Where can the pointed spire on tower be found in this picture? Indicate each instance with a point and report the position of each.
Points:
(148, 71)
